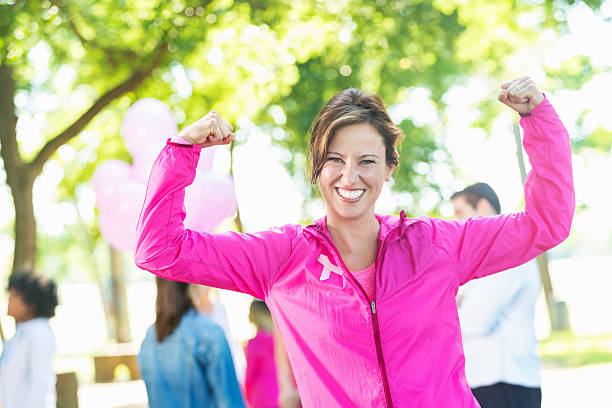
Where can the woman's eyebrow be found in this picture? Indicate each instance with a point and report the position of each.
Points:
(362, 156)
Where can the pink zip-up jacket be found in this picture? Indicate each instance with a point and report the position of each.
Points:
(404, 348)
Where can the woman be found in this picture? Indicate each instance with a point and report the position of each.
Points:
(261, 380)
(184, 359)
(365, 303)
(26, 365)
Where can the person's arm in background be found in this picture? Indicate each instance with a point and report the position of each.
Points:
(485, 301)
(214, 354)
(41, 382)
(239, 262)
(288, 395)
(482, 246)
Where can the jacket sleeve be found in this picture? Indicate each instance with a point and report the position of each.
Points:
(235, 261)
(482, 246)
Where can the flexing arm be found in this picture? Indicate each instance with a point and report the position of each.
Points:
(483, 246)
(240, 262)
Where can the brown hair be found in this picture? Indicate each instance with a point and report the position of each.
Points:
(172, 303)
(260, 315)
(351, 107)
(478, 191)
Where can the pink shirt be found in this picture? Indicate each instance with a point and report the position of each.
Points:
(365, 278)
(261, 382)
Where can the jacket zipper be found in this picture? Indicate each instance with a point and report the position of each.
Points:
(379, 354)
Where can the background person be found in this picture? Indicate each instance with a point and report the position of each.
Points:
(497, 316)
(207, 302)
(26, 366)
(261, 381)
(184, 358)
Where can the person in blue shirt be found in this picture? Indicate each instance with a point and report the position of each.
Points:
(185, 360)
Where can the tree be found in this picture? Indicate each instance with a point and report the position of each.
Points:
(247, 58)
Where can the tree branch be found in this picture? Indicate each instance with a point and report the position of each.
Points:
(75, 128)
(109, 52)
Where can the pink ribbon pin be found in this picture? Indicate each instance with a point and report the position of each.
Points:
(328, 268)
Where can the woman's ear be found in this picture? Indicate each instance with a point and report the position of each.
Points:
(389, 171)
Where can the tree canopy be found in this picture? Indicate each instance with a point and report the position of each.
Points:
(73, 68)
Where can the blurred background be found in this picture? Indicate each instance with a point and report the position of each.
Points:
(69, 71)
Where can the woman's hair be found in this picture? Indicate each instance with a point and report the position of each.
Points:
(37, 291)
(172, 303)
(260, 315)
(351, 107)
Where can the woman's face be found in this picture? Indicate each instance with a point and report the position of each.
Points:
(354, 172)
(17, 308)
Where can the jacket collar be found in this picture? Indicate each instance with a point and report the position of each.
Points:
(391, 226)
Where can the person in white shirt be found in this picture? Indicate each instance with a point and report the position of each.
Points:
(497, 321)
(27, 379)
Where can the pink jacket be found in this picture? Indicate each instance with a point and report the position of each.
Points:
(261, 382)
(402, 350)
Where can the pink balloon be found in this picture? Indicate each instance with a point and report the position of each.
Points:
(144, 162)
(120, 215)
(210, 199)
(118, 235)
(147, 122)
(207, 157)
(106, 181)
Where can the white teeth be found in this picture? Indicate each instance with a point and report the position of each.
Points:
(350, 194)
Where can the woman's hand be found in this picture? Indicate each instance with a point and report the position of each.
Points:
(521, 94)
(210, 130)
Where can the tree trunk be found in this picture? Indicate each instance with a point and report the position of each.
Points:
(19, 176)
(25, 226)
(119, 310)
(557, 310)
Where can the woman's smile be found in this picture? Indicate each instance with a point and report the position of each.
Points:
(350, 194)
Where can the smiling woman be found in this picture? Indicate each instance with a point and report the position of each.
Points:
(365, 303)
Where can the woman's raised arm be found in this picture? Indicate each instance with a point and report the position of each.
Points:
(487, 245)
(245, 263)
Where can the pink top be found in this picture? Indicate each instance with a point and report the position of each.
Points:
(261, 383)
(365, 277)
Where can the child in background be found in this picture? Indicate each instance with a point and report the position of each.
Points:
(261, 382)
(27, 379)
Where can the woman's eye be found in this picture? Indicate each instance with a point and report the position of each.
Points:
(367, 162)
(335, 160)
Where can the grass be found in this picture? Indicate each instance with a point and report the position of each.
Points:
(565, 349)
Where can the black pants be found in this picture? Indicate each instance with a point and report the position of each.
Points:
(502, 395)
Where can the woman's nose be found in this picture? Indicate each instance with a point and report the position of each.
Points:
(350, 174)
